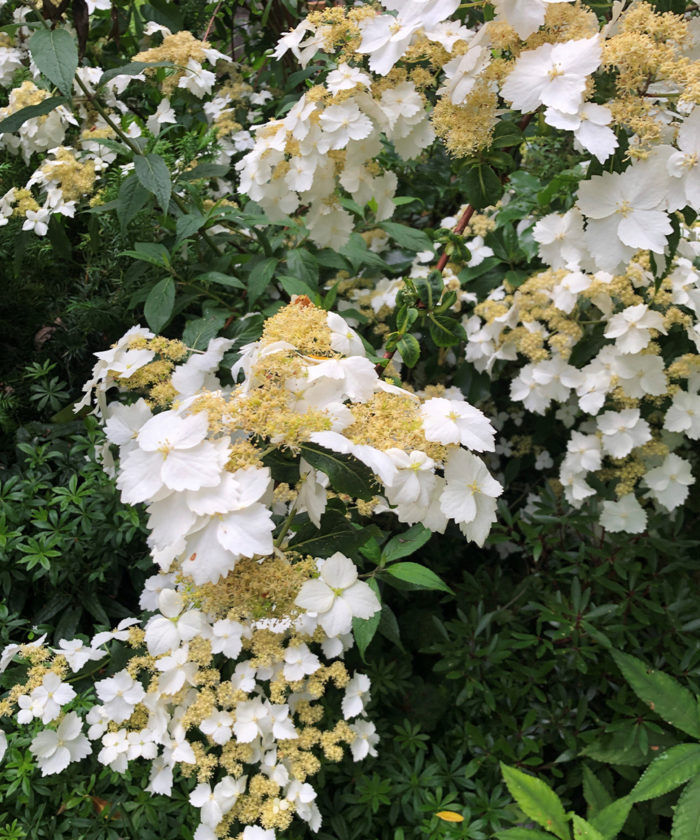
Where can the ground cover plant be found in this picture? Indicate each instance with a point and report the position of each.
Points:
(349, 399)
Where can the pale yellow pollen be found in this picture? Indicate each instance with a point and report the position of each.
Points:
(624, 208)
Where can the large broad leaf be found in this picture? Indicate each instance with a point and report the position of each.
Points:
(409, 348)
(667, 772)
(131, 199)
(303, 265)
(55, 53)
(16, 120)
(622, 747)
(335, 534)
(159, 303)
(346, 474)
(154, 176)
(610, 820)
(668, 698)
(404, 544)
(583, 830)
(357, 252)
(417, 575)
(260, 277)
(408, 237)
(594, 792)
(537, 801)
(686, 817)
(151, 252)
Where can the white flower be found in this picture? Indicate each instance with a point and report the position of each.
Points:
(455, 421)
(172, 454)
(668, 484)
(165, 632)
(119, 695)
(590, 126)
(120, 633)
(624, 212)
(164, 113)
(356, 696)
(366, 739)
(337, 596)
(345, 77)
(37, 220)
(624, 515)
(470, 495)
(216, 802)
(254, 832)
(226, 637)
(77, 653)
(553, 74)
(525, 16)
(299, 662)
(46, 700)
(683, 415)
(342, 123)
(561, 239)
(632, 327)
(623, 431)
(251, 720)
(584, 452)
(55, 749)
(218, 726)
(415, 477)
(176, 670)
(115, 750)
(565, 293)
(683, 164)
(197, 80)
(462, 73)
(575, 487)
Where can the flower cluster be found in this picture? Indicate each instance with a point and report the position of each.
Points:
(78, 149)
(247, 630)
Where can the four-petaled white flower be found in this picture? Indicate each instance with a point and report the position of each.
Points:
(55, 749)
(215, 802)
(455, 421)
(119, 695)
(337, 596)
(622, 431)
(45, 700)
(470, 495)
(668, 483)
(625, 515)
(632, 327)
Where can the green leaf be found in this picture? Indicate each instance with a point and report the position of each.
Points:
(294, 286)
(154, 176)
(131, 199)
(594, 793)
(523, 834)
(220, 278)
(159, 303)
(346, 473)
(302, 265)
(537, 801)
(445, 330)
(418, 575)
(150, 252)
(409, 348)
(335, 534)
(583, 830)
(16, 120)
(357, 252)
(407, 543)
(205, 170)
(55, 53)
(482, 186)
(260, 277)
(408, 237)
(622, 747)
(686, 816)
(133, 68)
(664, 695)
(668, 771)
(610, 820)
(188, 225)
(364, 629)
(199, 331)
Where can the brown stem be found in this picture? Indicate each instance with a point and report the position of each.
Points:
(461, 225)
(211, 20)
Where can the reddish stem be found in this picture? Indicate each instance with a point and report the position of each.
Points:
(461, 225)
(211, 20)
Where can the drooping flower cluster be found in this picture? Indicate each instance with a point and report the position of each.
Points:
(248, 630)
